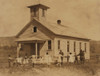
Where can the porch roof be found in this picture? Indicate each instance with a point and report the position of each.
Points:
(30, 39)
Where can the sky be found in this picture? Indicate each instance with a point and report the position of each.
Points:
(82, 15)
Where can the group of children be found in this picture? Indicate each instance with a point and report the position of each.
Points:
(20, 60)
(29, 60)
(47, 59)
(71, 58)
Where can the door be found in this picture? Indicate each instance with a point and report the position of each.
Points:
(33, 52)
(33, 48)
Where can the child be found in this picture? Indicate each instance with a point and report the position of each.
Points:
(25, 60)
(14, 62)
(9, 60)
(71, 58)
(67, 58)
(47, 59)
(41, 60)
(19, 60)
(59, 59)
(76, 59)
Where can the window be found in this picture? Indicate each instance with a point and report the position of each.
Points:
(67, 46)
(80, 46)
(74, 46)
(85, 47)
(34, 29)
(58, 44)
(34, 11)
(43, 12)
(49, 44)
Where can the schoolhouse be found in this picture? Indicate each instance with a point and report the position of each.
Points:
(40, 36)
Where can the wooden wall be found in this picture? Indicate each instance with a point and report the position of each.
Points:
(44, 49)
(29, 33)
(63, 46)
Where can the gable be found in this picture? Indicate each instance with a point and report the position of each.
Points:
(29, 32)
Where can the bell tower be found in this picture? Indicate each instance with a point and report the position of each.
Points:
(38, 11)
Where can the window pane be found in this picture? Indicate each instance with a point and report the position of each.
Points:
(80, 46)
(35, 29)
(49, 44)
(58, 44)
(74, 46)
(67, 46)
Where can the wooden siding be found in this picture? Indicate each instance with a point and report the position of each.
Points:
(29, 33)
(71, 47)
(87, 55)
(44, 49)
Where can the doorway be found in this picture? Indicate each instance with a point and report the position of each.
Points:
(33, 49)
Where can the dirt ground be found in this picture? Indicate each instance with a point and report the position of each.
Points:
(87, 69)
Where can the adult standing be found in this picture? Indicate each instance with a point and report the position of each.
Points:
(82, 56)
(62, 54)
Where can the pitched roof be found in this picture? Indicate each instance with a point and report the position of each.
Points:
(39, 5)
(62, 30)
(57, 29)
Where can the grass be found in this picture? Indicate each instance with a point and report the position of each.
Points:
(86, 69)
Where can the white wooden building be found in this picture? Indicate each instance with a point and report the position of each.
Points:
(40, 36)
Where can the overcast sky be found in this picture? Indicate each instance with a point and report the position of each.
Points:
(83, 15)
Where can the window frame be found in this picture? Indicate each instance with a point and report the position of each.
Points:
(68, 45)
(74, 46)
(85, 44)
(80, 45)
(34, 29)
(49, 44)
(58, 44)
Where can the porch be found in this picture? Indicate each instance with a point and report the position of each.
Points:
(30, 46)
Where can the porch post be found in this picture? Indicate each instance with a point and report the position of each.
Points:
(36, 49)
(18, 49)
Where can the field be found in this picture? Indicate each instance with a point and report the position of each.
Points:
(87, 69)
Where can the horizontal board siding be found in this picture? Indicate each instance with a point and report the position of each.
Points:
(28, 33)
(71, 47)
